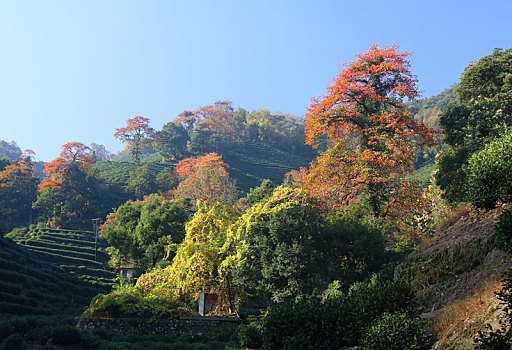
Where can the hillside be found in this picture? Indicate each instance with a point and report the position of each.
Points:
(119, 171)
(454, 277)
(249, 163)
(48, 271)
(252, 162)
(427, 110)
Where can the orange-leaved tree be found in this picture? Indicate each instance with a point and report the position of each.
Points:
(138, 134)
(206, 178)
(73, 153)
(370, 129)
(18, 189)
(217, 118)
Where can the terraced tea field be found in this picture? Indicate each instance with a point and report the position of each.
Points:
(249, 164)
(252, 162)
(46, 271)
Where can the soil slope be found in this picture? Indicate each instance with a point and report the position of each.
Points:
(455, 276)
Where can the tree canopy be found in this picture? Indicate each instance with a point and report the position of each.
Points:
(137, 133)
(141, 231)
(483, 112)
(370, 129)
(206, 178)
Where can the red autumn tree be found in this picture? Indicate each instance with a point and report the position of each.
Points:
(138, 134)
(18, 189)
(73, 153)
(217, 118)
(365, 117)
(206, 178)
(28, 155)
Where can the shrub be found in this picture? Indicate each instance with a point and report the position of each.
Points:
(17, 233)
(488, 174)
(368, 300)
(311, 324)
(393, 331)
(503, 236)
(339, 320)
(132, 302)
(61, 334)
(492, 339)
(500, 338)
(249, 336)
(14, 341)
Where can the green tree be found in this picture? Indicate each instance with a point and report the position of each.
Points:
(279, 245)
(286, 246)
(488, 172)
(259, 193)
(482, 113)
(171, 141)
(9, 150)
(166, 180)
(81, 196)
(142, 182)
(18, 189)
(141, 231)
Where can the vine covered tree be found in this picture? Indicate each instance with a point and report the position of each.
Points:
(279, 245)
(370, 130)
(138, 134)
(199, 262)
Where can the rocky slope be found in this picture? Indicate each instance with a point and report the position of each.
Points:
(455, 276)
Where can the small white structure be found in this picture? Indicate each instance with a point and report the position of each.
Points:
(207, 302)
(127, 271)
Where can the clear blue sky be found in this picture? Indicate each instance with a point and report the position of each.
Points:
(76, 70)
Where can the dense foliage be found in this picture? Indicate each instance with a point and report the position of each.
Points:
(208, 125)
(73, 193)
(142, 182)
(393, 331)
(302, 250)
(482, 113)
(199, 262)
(141, 231)
(503, 237)
(337, 321)
(9, 150)
(367, 120)
(488, 179)
(427, 110)
(280, 244)
(136, 303)
(18, 189)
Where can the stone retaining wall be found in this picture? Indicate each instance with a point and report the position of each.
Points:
(177, 326)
